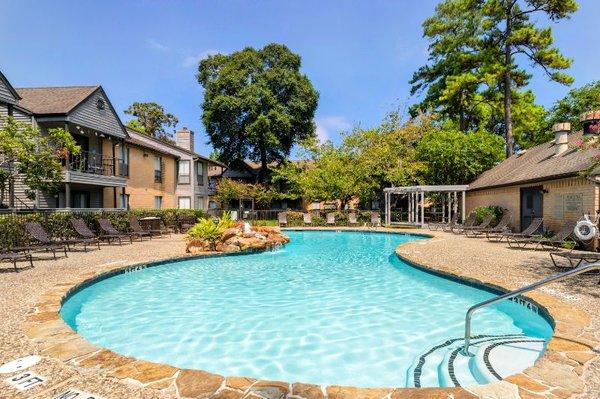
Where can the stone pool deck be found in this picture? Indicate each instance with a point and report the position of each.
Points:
(29, 302)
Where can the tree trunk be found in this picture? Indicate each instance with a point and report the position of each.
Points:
(508, 86)
(462, 124)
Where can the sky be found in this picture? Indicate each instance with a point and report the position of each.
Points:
(359, 55)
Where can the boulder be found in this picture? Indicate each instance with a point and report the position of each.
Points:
(231, 232)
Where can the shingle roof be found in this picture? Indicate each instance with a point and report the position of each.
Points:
(537, 164)
(53, 100)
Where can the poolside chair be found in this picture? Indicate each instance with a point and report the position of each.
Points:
(110, 233)
(15, 256)
(485, 223)
(282, 219)
(44, 241)
(533, 227)
(136, 227)
(307, 219)
(375, 219)
(540, 242)
(186, 222)
(441, 225)
(331, 219)
(501, 227)
(83, 231)
(458, 228)
(575, 259)
(352, 219)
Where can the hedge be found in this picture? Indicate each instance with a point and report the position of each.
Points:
(320, 219)
(12, 231)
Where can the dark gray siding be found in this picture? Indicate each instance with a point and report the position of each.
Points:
(103, 120)
(5, 94)
(3, 112)
(21, 116)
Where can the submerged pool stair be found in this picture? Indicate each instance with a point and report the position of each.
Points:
(493, 357)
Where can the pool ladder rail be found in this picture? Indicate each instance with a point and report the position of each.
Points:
(515, 293)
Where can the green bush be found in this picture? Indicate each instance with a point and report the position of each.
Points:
(484, 211)
(295, 218)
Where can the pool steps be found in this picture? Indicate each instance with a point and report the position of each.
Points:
(493, 357)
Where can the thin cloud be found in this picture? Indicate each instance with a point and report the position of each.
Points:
(328, 125)
(156, 45)
(193, 60)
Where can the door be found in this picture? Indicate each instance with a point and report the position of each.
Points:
(532, 205)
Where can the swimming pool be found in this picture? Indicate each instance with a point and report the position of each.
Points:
(328, 308)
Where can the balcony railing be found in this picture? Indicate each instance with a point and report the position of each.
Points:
(97, 164)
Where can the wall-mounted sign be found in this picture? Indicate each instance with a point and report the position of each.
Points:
(574, 202)
(25, 381)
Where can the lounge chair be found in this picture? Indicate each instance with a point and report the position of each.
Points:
(186, 222)
(307, 219)
(540, 242)
(136, 228)
(441, 225)
(485, 224)
(533, 227)
(282, 219)
(15, 256)
(331, 219)
(458, 228)
(82, 229)
(110, 233)
(575, 259)
(352, 219)
(44, 241)
(375, 219)
(500, 228)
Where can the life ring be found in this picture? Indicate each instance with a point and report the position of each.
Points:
(585, 230)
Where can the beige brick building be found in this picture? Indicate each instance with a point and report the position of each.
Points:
(546, 180)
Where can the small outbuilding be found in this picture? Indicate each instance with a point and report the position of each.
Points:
(552, 180)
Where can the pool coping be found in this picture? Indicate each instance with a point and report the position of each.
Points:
(553, 375)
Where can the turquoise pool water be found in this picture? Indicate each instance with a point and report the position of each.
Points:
(329, 308)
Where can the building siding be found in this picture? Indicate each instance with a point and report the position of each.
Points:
(104, 120)
(141, 187)
(565, 200)
(5, 94)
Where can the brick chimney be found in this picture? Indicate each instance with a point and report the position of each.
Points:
(184, 138)
(561, 137)
(591, 122)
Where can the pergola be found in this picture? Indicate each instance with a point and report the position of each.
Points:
(416, 201)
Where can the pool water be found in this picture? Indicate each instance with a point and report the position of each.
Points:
(328, 308)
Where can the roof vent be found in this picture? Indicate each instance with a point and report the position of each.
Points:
(591, 122)
(561, 137)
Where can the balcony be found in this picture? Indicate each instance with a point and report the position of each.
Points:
(93, 168)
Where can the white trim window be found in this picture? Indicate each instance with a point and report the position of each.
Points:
(184, 203)
(158, 202)
(184, 172)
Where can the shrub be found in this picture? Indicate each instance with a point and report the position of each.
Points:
(206, 229)
(483, 211)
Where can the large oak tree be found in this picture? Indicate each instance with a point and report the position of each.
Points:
(257, 104)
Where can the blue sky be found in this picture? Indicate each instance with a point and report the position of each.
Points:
(358, 54)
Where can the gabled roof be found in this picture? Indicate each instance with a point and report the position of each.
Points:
(54, 100)
(538, 164)
(165, 147)
(9, 87)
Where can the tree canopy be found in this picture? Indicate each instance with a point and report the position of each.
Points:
(151, 119)
(257, 104)
(570, 107)
(475, 69)
(27, 154)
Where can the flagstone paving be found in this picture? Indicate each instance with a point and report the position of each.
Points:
(30, 300)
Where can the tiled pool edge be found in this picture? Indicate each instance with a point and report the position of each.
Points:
(549, 378)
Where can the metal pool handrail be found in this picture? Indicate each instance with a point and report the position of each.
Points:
(512, 294)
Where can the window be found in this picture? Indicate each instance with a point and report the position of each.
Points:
(124, 201)
(157, 170)
(184, 203)
(200, 173)
(125, 162)
(158, 202)
(184, 172)
(199, 202)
